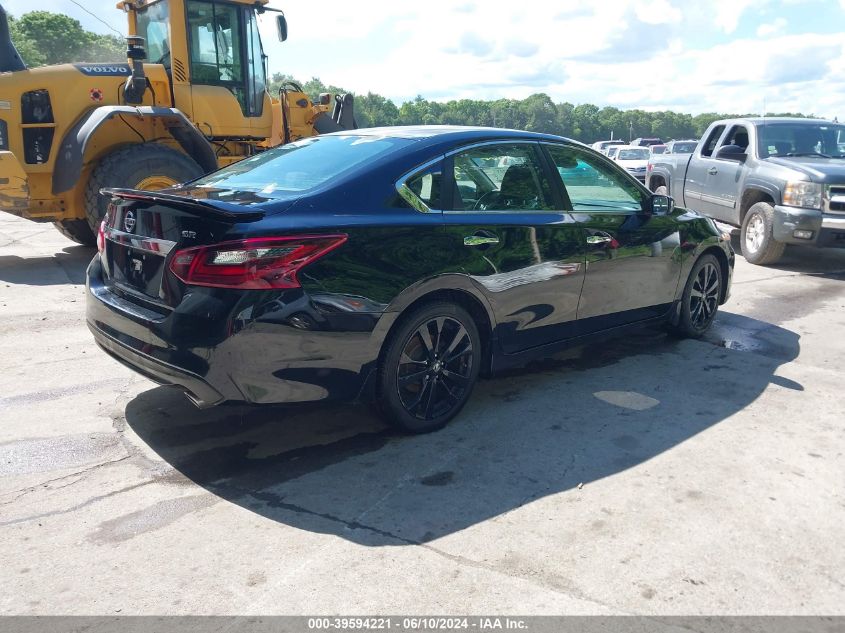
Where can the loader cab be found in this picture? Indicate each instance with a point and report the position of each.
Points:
(212, 51)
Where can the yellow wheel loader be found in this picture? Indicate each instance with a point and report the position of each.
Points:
(192, 97)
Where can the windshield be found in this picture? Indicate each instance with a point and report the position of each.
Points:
(152, 24)
(684, 148)
(801, 138)
(633, 154)
(302, 165)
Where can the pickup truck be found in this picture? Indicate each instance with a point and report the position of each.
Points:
(782, 180)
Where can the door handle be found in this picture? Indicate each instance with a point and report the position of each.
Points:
(481, 239)
(712, 171)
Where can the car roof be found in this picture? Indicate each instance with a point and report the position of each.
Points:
(450, 133)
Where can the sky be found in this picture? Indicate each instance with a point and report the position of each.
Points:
(732, 56)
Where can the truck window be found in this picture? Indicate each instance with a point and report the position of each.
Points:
(710, 142)
(737, 135)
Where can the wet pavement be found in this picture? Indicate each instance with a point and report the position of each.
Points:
(642, 475)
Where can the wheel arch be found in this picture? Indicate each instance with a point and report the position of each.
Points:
(70, 157)
(658, 179)
(751, 196)
(478, 309)
(724, 265)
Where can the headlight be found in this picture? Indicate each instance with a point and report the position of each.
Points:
(803, 194)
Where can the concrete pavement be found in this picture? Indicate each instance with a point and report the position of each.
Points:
(646, 475)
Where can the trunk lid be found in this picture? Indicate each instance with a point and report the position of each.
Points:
(144, 228)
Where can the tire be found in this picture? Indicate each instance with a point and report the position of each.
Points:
(419, 388)
(661, 191)
(129, 167)
(78, 231)
(698, 312)
(758, 244)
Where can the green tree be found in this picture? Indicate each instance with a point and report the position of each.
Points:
(27, 48)
(43, 37)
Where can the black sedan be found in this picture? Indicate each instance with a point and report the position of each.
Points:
(392, 265)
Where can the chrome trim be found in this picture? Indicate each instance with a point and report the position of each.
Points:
(409, 196)
(833, 223)
(139, 242)
(833, 193)
(516, 141)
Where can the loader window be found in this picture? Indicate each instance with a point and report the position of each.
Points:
(215, 41)
(154, 26)
(256, 83)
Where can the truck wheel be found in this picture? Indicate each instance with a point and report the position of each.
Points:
(77, 230)
(758, 244)
(148, 166)
(661, 191)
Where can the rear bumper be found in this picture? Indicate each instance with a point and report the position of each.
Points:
(14, 189)
(198, 390)
(258, 347)
(827, 230)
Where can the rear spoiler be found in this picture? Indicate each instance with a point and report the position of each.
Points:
(194, 206)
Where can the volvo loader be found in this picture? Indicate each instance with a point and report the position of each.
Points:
(192, 97)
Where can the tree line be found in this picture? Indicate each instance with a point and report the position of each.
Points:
(43, 37)
(537, 113)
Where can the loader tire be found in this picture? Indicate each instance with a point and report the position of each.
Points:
(146, 166)
(78, 231)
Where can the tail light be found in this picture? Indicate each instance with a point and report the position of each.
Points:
(252, 264)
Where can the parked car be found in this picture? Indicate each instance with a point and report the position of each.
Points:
(681, 147)
(394, 265)
(657, 149)
(602, 146)
(645, 142)
(782, 180)
(634, 160)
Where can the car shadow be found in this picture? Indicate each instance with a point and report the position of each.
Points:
(66, 266)
(552, 427)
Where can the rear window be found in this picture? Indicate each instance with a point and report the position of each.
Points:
(633, 154)
(684, 148)
(302, 165)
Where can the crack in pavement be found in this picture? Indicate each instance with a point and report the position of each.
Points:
(78, 506)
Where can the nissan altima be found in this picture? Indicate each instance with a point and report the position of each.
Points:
(394, 266)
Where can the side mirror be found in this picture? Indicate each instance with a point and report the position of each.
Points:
(731, 152)
(282, 27)
(661, 205)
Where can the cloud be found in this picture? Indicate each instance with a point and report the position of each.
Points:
(521, 48)
(800, 63)
(473, 44)
(658, 12)
(630, 39)
(772, 28)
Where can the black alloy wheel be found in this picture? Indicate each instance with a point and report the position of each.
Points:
(700, 301)
(429, 368)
